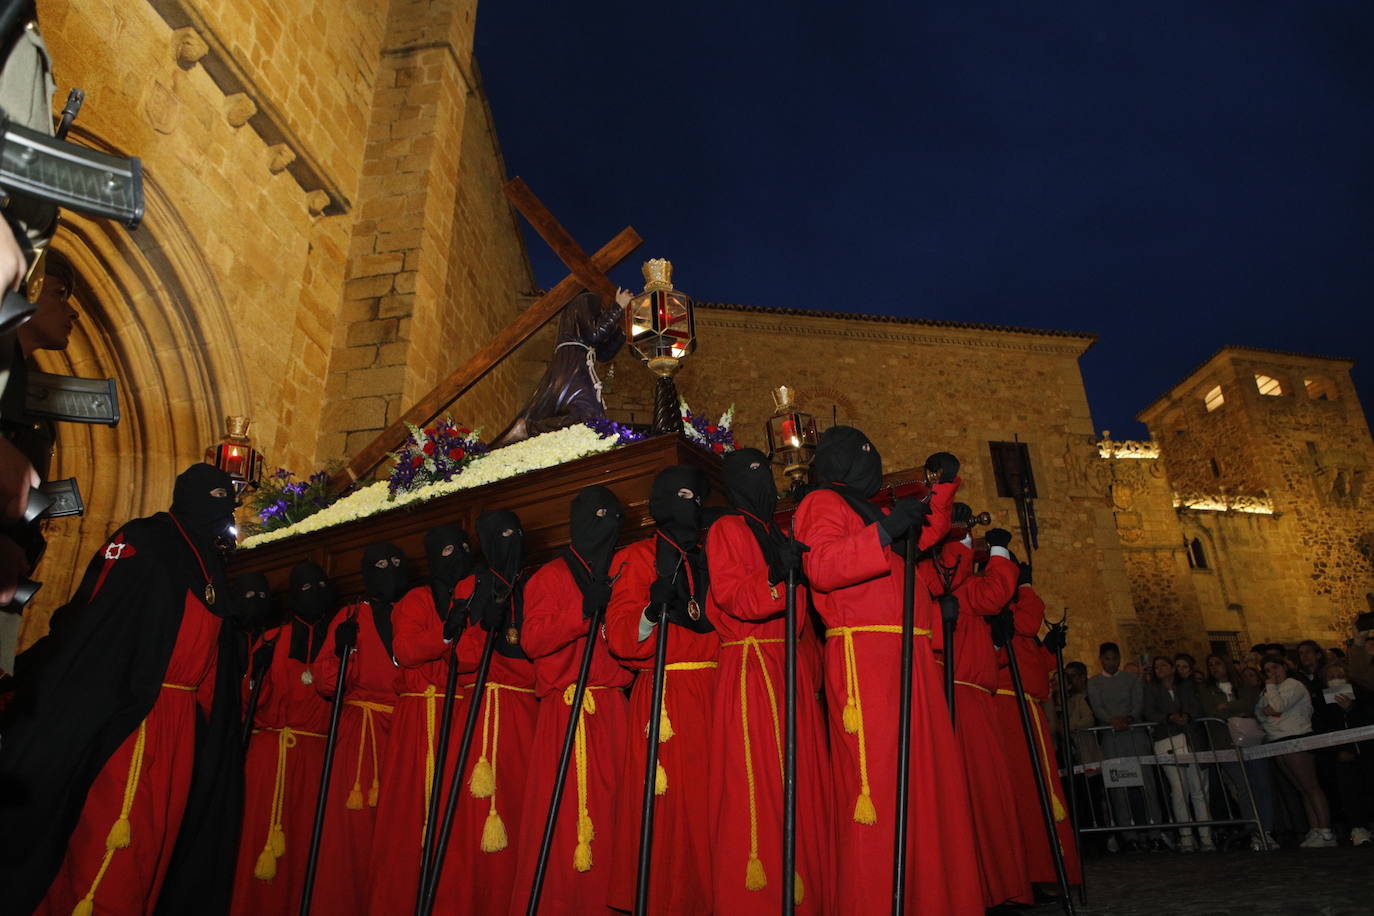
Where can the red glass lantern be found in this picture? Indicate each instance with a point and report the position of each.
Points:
(661, 328)
(235, 455)
(792, 437)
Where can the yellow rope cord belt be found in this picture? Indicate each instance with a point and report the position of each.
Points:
(121, 834)
(367, 737)
(482, 783)
(265, 869)
(755, 878)
(586, 832)
(1038, 718)
(665, 725)
(430, 696)
(941, 663)
(853, 717)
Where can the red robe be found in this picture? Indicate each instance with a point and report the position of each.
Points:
(289, 733)
(555, 636)
(421, 652)
(479, 865)
(748, 733)
(1028, 612)
(857, 583)
(161, 777)
(344, 874)
(1001, 856)
(680, 866)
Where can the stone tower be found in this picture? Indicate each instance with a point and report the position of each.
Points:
(1266, 456)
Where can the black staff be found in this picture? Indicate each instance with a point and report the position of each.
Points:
(1055, 640)
(646, 817)
(1042, 788)
(257, 678)
(789, 760)
(347, 646)
(569, 738)
(904, 724)
(425, 900)
(441, 752)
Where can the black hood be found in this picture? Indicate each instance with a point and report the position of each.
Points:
(450, 561)
(312, 601)
(846, 456)
(749, 483)
(384, 582)
(594, 520)
(250, 601)
(678, 517)
(204, 516)
(505, 554)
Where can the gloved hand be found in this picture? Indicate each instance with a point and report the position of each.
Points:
(493, 613)
(949, 607)
(944, 463)
(1056, 638)
(1025, 576)
(262, 659)
(596, 595)
(998, 537)
(345, 637)
(789, 561)
(961, 514)
(1002, 628)
(907, 514)
(456, 621)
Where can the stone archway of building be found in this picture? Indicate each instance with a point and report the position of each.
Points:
(152, 318)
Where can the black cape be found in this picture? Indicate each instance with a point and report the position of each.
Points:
(84, 688)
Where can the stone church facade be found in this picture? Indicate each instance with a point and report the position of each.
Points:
(326, 238)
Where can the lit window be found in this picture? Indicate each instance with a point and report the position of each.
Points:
(1268, 385)
(1320, 389)
(1213, 399)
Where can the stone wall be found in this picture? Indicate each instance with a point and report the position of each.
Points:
(325, 236)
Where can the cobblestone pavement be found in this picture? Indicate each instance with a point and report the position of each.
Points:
(1303, 882)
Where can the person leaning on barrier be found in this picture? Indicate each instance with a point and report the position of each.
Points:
(1172, 704)
(1285, 711)
(1117, 698)
(1225, 696)
(1347, 767)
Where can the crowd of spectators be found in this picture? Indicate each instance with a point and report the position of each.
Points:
(1308, 797)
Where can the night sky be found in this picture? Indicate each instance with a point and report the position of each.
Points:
(1172, 176)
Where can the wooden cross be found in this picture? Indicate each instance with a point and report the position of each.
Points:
(587, 273)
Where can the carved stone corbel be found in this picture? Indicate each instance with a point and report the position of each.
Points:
(188, 47)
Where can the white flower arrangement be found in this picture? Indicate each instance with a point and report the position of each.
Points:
(534, 454)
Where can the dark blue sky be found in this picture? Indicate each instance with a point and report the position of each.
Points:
(1172, 176)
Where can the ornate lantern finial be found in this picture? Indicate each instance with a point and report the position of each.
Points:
(661, 328)
(236, 456)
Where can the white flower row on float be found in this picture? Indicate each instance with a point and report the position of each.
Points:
(534, 454)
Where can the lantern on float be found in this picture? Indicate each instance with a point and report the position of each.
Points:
(662, 330)
(792, 438)
(235, 455)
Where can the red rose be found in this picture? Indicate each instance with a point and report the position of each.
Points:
(416, 461)
(428, 448)
(712, 429)
(464, 431)
(717, 447)
(457, 454)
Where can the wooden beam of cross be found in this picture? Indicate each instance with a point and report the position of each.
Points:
(587, 273)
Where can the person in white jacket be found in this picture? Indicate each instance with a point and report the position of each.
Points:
(1285, 711)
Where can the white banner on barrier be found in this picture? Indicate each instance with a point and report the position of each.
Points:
(1122, 774)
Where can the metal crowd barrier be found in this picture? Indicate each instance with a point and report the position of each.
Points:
(1173, 782)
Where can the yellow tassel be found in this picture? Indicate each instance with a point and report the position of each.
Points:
(118, 837)
(83, 907)
(665, 725)
(864, 812)
(1059, 812)
(266, 867)
(372, 794)
(355, 799)
(660, 781)
(585, 831)
(754, 877)
(798, 889)
(277, 841)
(582, 857)
(482, 784)
(851, 717)
(494, 833)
